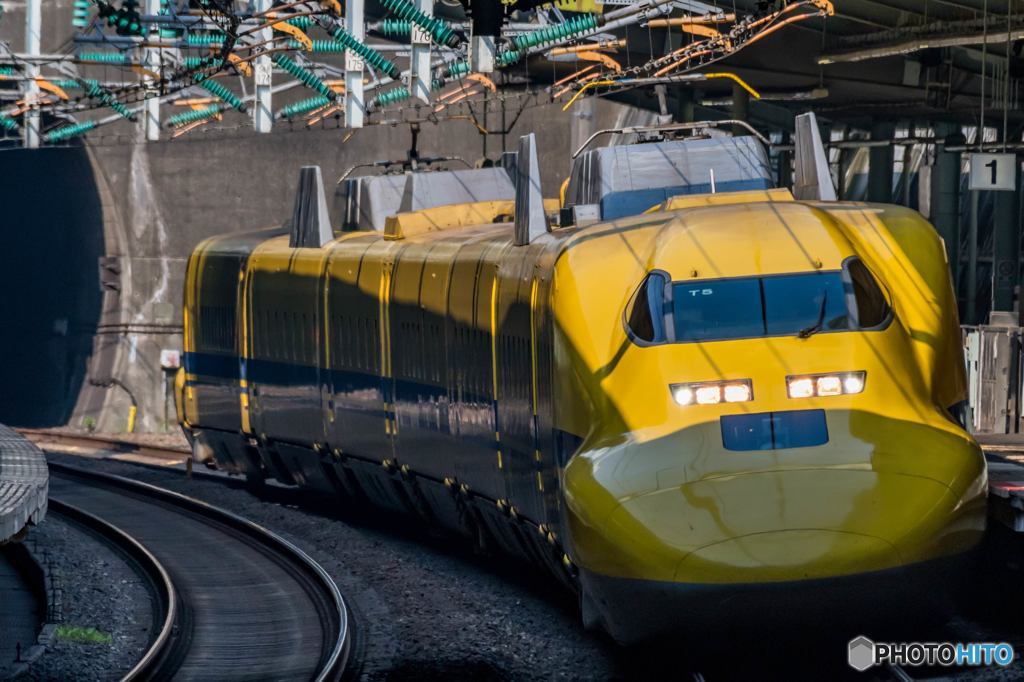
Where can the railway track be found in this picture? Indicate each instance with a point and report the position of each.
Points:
(43, 436)
(156, 662)
(239, 602)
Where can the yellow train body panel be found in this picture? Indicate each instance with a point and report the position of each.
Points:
(500, 390)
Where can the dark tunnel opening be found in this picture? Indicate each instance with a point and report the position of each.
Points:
(52, 239)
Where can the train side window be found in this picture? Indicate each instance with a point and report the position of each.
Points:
(645, 318)
(872, 305)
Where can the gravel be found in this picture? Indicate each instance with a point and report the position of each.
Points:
(100, 591)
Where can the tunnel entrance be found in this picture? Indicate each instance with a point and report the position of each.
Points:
(52, 236)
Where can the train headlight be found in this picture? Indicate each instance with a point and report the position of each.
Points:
(683, 395)
(712, 392)
(736, 393)
(823, 385)
(800, 387)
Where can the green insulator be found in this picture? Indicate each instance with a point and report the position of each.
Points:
(329, 46)
(508, 58)
(301, 22)
(304, 76)
(395, 28)
(80, 13)
(69, 131)
(194, 116)
(93, 89)
(302, 106)
(118, 58)
(205, 39)
(460, 68)
(219, 90)
(391, 97)
(8, 123)
(439, 30)
(6, 70)
(556, 32)
(369, 55)
(197, 63)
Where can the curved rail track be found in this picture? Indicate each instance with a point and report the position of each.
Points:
(242, 602)
(154, 663)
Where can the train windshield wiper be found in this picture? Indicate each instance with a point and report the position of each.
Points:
(817, 326)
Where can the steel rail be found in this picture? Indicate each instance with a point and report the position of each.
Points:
(156, 657)
(338, 631)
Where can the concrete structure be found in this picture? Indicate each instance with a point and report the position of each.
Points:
(103, 231)
(24, 484)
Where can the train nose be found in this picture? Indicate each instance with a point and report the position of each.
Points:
(772, 516)
(780, 525)
(740, 538)
(787, 554)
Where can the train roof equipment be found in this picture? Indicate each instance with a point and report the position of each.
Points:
(364, 203)
(410, 184)
(622, 180)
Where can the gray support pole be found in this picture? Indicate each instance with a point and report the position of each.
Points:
(880, 165)
(151, 58)
(263, 70)
(785, 162)
(1005, 247)
(355, 107)
(945, 204)
(685, 102)
(740, 108)
(972, 262)
(419, 61)
(33, 38)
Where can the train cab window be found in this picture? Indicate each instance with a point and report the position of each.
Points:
(645, 319)
(872, 305)
(805, 301)
(799, 304)
(723, 309)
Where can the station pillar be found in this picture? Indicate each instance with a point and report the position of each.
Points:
(685, 102)
(945, 196)
(880, 165)
(784, 161)
(33, 31)
(1005, 246)
(740, 108)
(263, 112)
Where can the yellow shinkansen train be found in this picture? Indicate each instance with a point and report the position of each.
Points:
(727, 395)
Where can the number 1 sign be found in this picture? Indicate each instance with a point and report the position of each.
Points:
(994, 172)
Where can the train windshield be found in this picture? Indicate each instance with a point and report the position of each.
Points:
(800, 304)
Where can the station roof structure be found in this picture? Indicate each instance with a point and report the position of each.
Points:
(909, 60)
